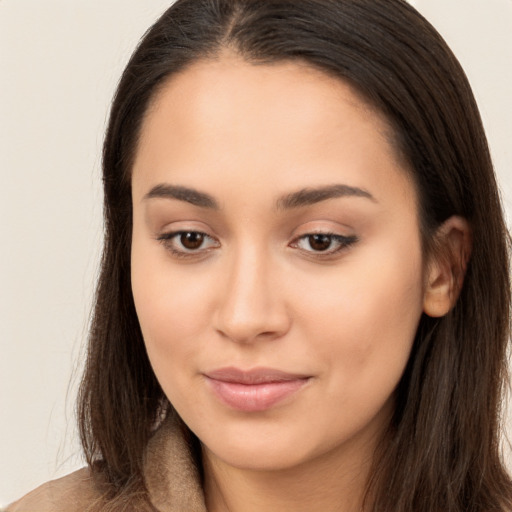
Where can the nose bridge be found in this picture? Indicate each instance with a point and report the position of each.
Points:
(250, 305)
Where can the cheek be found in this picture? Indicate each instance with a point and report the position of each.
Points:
(170, 308)
(366, 319)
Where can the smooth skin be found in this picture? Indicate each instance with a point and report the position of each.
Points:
(274, 226)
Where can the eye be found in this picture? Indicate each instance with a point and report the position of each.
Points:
(185, 243)
(323, 243)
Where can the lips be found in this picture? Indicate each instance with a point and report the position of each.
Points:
(254, 390)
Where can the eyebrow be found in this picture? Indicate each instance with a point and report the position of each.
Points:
(189, 195)
(310, 196)
(303, 197)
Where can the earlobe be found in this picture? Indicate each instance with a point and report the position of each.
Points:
(447, 266)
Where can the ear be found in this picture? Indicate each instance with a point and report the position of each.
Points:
(447, 266)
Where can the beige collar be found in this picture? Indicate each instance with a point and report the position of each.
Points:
(171, 476)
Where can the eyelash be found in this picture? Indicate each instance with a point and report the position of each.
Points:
(168, 239)
(343, 243)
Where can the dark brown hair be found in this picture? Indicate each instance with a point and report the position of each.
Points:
(442, 450)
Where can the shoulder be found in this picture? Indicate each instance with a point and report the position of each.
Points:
(73, 493)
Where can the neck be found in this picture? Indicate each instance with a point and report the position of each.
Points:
(327, 483)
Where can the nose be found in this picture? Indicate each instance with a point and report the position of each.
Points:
(251, 304)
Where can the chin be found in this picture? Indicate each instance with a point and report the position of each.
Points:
(264, 446)
(263, 456)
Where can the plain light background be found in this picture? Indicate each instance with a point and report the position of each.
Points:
(59, 63)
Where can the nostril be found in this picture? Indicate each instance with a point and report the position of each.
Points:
(252, 328)
(250, 305)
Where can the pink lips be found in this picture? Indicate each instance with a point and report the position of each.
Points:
(254, 390)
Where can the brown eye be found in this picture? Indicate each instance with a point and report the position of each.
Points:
(192, 240)
(185, 244)
(323, 244)
(320, 242)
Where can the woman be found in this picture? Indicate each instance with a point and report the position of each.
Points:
(304, 300)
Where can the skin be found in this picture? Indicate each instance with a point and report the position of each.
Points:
(256, 293)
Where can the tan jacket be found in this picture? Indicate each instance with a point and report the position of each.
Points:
(171, 477)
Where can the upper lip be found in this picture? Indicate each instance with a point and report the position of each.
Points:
(253, 376)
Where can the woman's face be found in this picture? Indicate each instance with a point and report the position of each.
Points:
(277, 268)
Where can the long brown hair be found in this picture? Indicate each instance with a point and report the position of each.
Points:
(442, 450)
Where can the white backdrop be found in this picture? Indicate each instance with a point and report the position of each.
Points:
(59, 63)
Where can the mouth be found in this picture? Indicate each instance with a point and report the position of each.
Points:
(254, 390)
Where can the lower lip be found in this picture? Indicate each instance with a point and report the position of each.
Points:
(255, 397)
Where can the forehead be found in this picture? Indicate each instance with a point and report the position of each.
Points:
(271, 123)
(210, 90)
